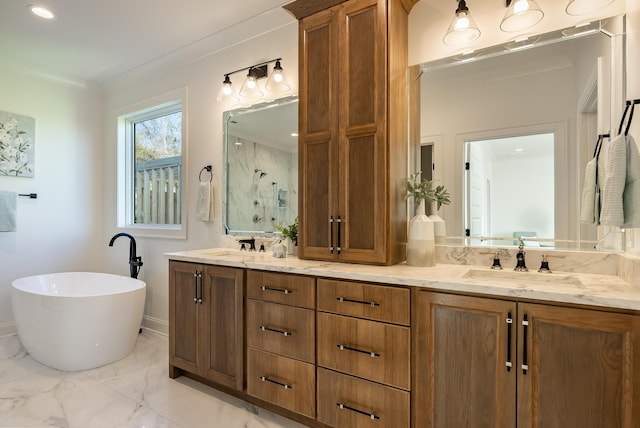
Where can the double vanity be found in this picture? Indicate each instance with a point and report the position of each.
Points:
(459, 344)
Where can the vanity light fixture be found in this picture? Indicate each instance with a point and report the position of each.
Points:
(463, 29)
(277, 82)
(42, 11)
(582, 7)
(520, 15)
(251, 89)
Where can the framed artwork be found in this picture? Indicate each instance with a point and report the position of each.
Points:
(17, 145)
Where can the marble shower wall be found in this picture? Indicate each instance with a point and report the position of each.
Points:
(255, 202)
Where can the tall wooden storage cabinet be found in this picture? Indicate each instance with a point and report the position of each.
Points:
(206, 324)
(353, 130)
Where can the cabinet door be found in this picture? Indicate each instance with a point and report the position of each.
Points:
(222, 326)
(183, 317)
(363, 166)
(463, 347)
(318, 124)
(582, 368)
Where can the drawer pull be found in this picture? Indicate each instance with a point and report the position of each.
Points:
(362, 302)
(275, 330)
(279, 290)
(284, 385)
(362, 412)
(348, 348)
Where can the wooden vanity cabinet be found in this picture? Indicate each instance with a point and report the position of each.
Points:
(353, 132)
(364, 369)
(491, 363)
(206, 328)
(281, 338)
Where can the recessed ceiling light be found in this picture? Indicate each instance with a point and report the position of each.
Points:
(294, 134)
(42, 11)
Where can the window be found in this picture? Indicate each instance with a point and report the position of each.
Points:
(150, 173)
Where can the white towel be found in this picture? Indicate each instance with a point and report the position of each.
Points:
(621, 192)
(8, 211)
(206, 198)
(588, 208)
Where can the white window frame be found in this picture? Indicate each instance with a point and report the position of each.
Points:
(153, 107)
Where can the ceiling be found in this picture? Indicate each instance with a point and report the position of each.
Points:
(92, 40)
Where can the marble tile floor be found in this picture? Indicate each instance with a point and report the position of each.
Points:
(134, 392)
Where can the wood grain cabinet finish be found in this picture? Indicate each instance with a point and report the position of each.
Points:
(514, 364)
(372, 350)
(282, 381)
(284, 330)
(376, 302)
(346, 401)
(352, 122)
(294, 290)
(206, 328)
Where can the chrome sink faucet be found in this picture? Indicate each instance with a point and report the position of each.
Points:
(520, 263)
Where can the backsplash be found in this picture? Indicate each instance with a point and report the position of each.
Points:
(562, 261)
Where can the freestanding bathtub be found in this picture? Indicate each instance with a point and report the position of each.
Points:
(78, 320)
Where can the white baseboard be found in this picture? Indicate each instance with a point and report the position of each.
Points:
(9, 329)
(156, 325)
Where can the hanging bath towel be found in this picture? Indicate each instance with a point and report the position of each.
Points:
(590, 208)
(621, 192)
(8, 211)
(206, 198)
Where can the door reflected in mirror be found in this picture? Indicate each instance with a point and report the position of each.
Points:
(510, 188)
(261, 167)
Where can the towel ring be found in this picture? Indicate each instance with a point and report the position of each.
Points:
(208, 169)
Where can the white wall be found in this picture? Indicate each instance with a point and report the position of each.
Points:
(263, 38)
(61, 230)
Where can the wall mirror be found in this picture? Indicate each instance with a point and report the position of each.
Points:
(260, 167)
(509, 129)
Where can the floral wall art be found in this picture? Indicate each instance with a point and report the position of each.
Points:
(17, 145)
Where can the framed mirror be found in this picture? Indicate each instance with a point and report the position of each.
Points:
(260, 167)
(508, 131)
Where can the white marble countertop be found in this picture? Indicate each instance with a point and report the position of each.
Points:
(564, 287)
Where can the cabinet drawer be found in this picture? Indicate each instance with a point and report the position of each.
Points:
(281, 329)
(282, 288)
(368, 349)
(288, 383)
(376, 302)
(345, 401)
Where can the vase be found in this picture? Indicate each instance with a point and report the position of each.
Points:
(439, 226)
(421, 248)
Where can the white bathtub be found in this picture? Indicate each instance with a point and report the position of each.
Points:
(78, 320)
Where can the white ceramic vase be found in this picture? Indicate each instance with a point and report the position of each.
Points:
(421, 248)
(439, 226)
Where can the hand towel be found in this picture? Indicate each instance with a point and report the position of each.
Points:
(631, 195)
(8, 211)
(206, 199)
(587, 209)
(614, 182)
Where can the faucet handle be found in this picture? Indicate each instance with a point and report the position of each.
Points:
(544, 266)
(496, 261)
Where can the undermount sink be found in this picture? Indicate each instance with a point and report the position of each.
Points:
(222, 252)
(510, 275)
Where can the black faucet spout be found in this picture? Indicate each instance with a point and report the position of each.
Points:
(135, 262)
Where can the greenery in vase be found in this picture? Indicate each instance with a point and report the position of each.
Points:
(421, 190)
(289, 232)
